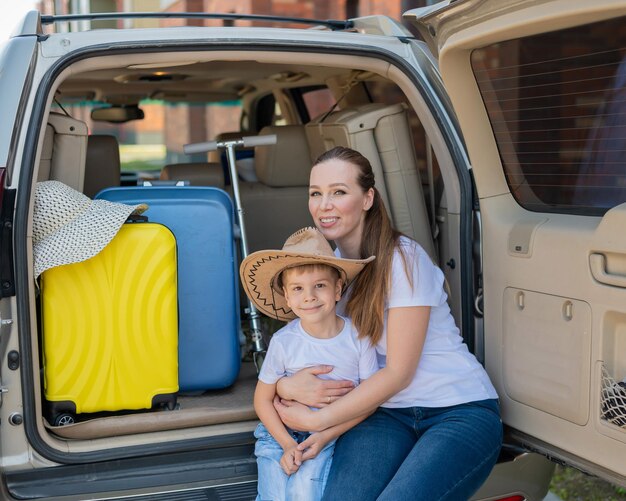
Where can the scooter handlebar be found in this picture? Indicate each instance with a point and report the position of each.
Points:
(252, 141)
(246, 141)
(204, 147)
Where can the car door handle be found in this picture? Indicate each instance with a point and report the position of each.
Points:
(597, 262)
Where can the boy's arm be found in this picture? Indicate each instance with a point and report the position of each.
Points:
(263, 395)
(264, 408)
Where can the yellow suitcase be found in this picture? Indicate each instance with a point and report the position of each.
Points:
(110, 327)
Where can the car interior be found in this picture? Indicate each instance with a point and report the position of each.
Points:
(309, 106)
(495, 143)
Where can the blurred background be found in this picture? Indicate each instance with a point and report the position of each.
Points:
(315, 9)
(148, 144)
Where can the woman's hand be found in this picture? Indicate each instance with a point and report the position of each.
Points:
(305, 387)
(295, 415)
(291, 459)
(313, 445)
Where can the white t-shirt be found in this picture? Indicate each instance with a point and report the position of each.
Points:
(447, 373)
(292, 349)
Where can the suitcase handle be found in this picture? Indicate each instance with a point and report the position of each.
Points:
(137, 218)
(203, 147)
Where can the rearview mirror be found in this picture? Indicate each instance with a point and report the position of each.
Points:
(117, 114)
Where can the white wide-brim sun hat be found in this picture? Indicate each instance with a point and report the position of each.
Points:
(69, 227)
(260, 270)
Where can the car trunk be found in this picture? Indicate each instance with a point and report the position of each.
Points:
(387, 132)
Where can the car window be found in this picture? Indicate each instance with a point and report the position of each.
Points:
(266, 112)
(147, 145)
(318, 101)
(557, 105)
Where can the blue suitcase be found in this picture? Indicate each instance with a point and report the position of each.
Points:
(202, 220)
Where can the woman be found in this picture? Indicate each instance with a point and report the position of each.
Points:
(434, 429)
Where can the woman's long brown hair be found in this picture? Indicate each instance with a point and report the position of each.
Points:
(366, 305)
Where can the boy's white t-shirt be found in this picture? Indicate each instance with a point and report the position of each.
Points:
(447, 373)
(292, 349)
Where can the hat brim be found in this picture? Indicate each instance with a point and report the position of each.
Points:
(259, 271)
(83, 237)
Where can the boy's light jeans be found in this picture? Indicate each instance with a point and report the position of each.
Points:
(307, 484)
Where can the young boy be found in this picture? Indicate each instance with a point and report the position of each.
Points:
(303, 280)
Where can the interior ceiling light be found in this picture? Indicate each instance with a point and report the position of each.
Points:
(155, 76)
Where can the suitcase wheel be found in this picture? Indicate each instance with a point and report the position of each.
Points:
(64, 419)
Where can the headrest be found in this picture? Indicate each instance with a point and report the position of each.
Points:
(64, 150)
(197, 173)
(287, 163)
(105, 144)
(102, 165)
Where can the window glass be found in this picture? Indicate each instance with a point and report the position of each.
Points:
(318, 101)
(557, 106)
(266, 112)
(147, 145)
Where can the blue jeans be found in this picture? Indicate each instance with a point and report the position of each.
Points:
(307, 484)
(417, 453)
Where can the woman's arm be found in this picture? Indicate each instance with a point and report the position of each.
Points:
(406, 332)
(313, 445)
(306, 388)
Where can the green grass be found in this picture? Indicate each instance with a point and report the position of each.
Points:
(141, 165)
(573, 485)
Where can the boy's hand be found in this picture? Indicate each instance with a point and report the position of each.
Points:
(291, 460)
(313, 445)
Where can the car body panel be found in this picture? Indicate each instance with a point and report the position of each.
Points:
(546, 364)
(80, 49)
(383, 48)
(15, 52)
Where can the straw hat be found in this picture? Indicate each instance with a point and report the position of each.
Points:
(260, 270)
(69, 227)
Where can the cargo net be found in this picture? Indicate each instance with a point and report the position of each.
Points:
(613, 400)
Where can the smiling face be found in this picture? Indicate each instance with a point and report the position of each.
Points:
(312, 291)
(338, 204)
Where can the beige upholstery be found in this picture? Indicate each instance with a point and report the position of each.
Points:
(102, 166)
(197, 173)
(287, 163)
(277, 205)
(64, 151)
(382, 134)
